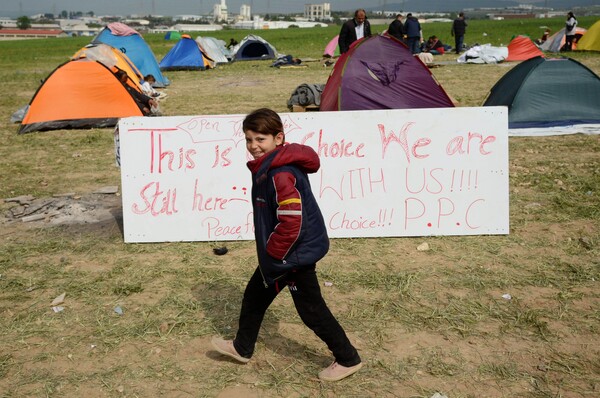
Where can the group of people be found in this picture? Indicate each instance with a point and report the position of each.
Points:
(406, 30)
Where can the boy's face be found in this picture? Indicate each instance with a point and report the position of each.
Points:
(260, 144)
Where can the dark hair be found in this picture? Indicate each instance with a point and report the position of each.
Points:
(359, 10)
(263, 121)
(570, 14)
(461, 14)
(149, 77)
(120, 73)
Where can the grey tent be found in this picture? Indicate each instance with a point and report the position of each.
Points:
(253, 48)
(543, 92)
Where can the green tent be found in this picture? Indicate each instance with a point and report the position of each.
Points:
(544, 92)
(173, 35)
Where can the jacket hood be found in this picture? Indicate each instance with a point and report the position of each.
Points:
(300, 156)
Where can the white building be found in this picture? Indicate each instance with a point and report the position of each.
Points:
(220, 11)
(245, 12)
(317, 12)
(259, 23)
(196, 28)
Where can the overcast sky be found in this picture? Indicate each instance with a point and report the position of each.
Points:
(13, 8)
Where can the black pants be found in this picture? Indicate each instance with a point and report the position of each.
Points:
(569, 42)
(306, 293)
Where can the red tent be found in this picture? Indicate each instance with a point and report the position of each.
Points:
(522, 48)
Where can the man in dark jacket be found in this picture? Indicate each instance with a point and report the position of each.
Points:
(353, 30)
(459, 27)
(412, 29)
(396, 28)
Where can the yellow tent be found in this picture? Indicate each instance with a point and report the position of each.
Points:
(591, 40)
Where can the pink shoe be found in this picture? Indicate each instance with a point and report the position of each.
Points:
(335, 372)
(226, 347)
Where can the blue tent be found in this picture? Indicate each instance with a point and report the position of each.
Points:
(185, 55)
(131, 43)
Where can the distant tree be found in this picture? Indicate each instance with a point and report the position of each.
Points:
(23, 22)
(267, 17)
(64, 14)
(90, 13)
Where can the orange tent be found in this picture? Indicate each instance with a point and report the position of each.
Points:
(79, 94)
(522, 48)
(111, 58)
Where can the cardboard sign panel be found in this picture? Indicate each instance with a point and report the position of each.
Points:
(383, 173)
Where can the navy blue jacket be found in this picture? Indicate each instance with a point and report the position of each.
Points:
(289, 228)
(412, 27)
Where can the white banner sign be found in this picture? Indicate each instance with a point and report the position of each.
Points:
(384, 173)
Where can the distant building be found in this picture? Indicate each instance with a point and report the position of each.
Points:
(16, 34)
(8, 23)
(245, 12)
(189, 18)
(317, 12)
(196, 28)
(220, 11)
(259, 23)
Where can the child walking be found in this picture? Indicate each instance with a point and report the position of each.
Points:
(290, 238)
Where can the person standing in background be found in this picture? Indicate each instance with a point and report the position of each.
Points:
(459, 28)
(570, 28)
(353, 30)
(396, 28)
(414, 35)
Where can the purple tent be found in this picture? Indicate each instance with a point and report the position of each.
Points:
(380, 72)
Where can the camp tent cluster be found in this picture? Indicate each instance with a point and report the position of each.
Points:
(85, 92)
(376, 73)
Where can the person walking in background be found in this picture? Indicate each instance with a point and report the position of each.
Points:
(291, 237)
(459, 28)
(396, 28)
(570, 28)
(414, 35)
(353, 30)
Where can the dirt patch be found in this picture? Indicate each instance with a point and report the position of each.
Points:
(100, 207)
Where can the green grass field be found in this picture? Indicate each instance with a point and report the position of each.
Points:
(423, 322)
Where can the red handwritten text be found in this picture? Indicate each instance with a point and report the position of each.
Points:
(461, 145)
(338, 149)
(402, 140)
(156, 201)
(183, 160)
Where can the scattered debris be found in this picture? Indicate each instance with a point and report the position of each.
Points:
(219, 251)
(423, 247)
(119, 310)
(586, 242)
(58, 300)
(328, 284)
(438, 395)
(58, 309)
(108, 190)
(506, 296)
(65, 208)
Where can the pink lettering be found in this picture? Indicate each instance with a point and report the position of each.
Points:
(156, 201)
